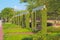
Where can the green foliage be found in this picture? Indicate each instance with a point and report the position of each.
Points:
(8, 27)
(27, 20)
(0, 15)
(53, 36)
(53, 5)
(53, 30)
(7, 13)
(28, 38)
(15, 37)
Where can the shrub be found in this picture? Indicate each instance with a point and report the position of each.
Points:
(53, 36)
(53, 29)
(28, 38)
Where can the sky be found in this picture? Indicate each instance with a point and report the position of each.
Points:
(13, 4)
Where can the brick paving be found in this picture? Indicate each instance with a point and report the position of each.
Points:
(1, 31)
(1, 34)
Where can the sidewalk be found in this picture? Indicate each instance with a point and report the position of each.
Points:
(1, 31)
(1, 34)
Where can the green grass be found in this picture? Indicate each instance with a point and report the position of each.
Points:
(53, 36)
(16, 30)
(11, 28)
(16, 37)
(8, 25)
(53, 29)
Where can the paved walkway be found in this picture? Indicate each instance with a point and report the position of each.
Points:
(1, 34)
(1, 31)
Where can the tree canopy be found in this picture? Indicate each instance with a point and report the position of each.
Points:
(7, 13)
(50, 4)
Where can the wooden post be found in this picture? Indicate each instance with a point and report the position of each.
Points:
(1, 30)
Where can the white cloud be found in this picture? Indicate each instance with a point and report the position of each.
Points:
(15, 7)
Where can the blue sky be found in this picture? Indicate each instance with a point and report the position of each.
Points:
(13, 4)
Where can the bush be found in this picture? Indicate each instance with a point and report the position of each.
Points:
(35, 30)
(53, 36)
(53, 29)
(28, 38)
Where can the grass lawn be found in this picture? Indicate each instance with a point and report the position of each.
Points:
(16, 37)
(12, 28)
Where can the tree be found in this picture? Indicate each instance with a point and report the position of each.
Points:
(7, 13)
(51, 5)
(0, 14)
(53, 9)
